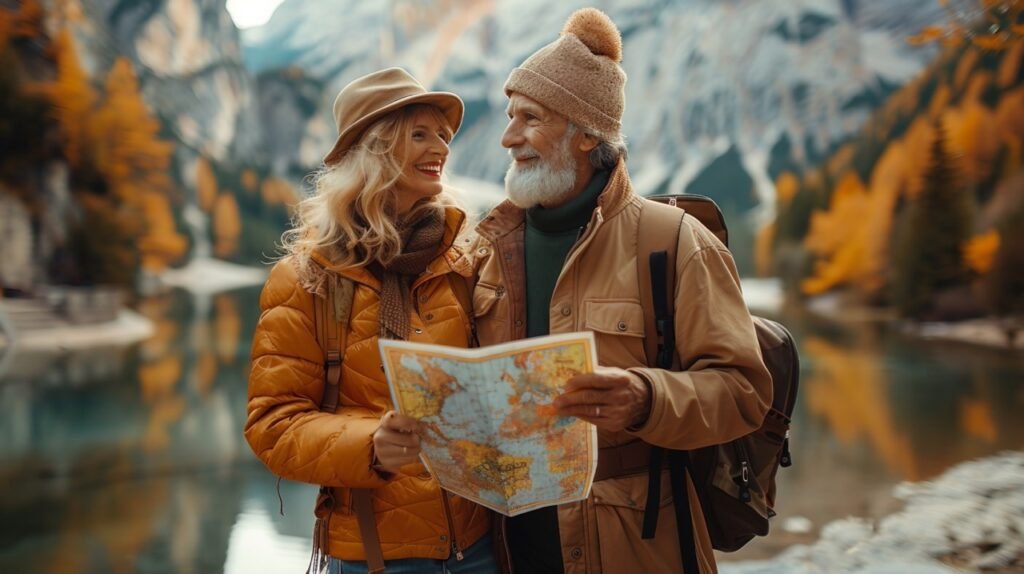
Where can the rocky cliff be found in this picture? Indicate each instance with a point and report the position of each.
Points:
(740, 79)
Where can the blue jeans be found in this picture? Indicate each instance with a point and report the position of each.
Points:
(477, 559)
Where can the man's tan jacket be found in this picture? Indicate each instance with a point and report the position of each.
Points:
(723, 391)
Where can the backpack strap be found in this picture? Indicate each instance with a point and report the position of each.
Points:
(657, 222)
(362, 505)
(329, 312)
(331, 315)
(656, 267)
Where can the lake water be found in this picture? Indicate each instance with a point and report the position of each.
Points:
(132, 460)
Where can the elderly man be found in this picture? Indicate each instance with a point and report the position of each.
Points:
(560, 255)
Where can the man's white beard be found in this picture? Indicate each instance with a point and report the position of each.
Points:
(548, 182)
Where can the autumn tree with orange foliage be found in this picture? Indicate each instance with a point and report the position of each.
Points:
(929, 255)
(837, 238)
(227, 225)
(980, 252)
(74, 99)
(206, 184)
(29, 21)
(990, 25)
(117, 159)
(136, 164)
(825, 237)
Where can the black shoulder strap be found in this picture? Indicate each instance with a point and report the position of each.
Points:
(658, 230)
(664, 221)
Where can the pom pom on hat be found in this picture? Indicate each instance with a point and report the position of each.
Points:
(578, 75)
(597, 32)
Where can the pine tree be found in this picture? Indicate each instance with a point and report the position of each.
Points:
(929, 254)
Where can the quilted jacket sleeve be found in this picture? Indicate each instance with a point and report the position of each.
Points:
(724, 390)
(285, 427)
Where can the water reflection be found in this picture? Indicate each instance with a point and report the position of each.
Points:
(876, 408)
(133, 461)
(920, 406)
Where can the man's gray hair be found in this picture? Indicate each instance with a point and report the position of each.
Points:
(607, 153)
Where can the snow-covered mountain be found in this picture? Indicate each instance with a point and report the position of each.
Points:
(708, 79)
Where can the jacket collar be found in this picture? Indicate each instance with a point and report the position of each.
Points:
(506, 217)
(454, 219)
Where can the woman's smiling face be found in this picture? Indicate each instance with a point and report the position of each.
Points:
(424, 153)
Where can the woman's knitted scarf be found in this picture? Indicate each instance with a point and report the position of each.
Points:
(421, 243)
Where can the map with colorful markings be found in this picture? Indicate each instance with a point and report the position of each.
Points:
(490, 432)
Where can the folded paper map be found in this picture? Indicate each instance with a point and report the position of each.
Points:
(491, 433)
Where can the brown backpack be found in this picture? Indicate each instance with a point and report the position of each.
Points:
(735, 481)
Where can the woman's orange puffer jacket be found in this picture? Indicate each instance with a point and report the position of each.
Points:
(287, 431)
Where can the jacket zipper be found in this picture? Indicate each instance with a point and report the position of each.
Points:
(451, 526)
(745, 473)
(582, 241)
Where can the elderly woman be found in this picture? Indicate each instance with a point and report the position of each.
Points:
(381, 226)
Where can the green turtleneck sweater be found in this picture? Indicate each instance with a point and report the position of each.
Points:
(550, 234)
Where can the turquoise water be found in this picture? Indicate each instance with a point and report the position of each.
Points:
(132, 460)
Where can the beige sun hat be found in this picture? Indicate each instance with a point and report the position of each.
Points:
(371, 97)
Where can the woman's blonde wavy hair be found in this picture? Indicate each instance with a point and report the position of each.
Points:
(350, 216)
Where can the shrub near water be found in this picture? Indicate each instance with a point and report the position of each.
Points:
(1005, 284)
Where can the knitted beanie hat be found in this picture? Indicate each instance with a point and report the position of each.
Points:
(578, 75)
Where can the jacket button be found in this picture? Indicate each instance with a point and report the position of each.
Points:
(430, 317)
(576, 553)
(566, 310)
(418, 331)
(622, 325)
(519, 322)
(482, 251)
(500, 291)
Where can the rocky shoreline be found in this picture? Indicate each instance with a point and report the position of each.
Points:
(970, 519)
(202, 277)
(987, 331)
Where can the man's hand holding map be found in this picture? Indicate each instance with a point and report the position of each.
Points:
(490, 431)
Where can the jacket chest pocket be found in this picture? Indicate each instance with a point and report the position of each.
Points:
(618, 326)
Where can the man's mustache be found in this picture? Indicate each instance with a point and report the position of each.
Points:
(522, 152)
